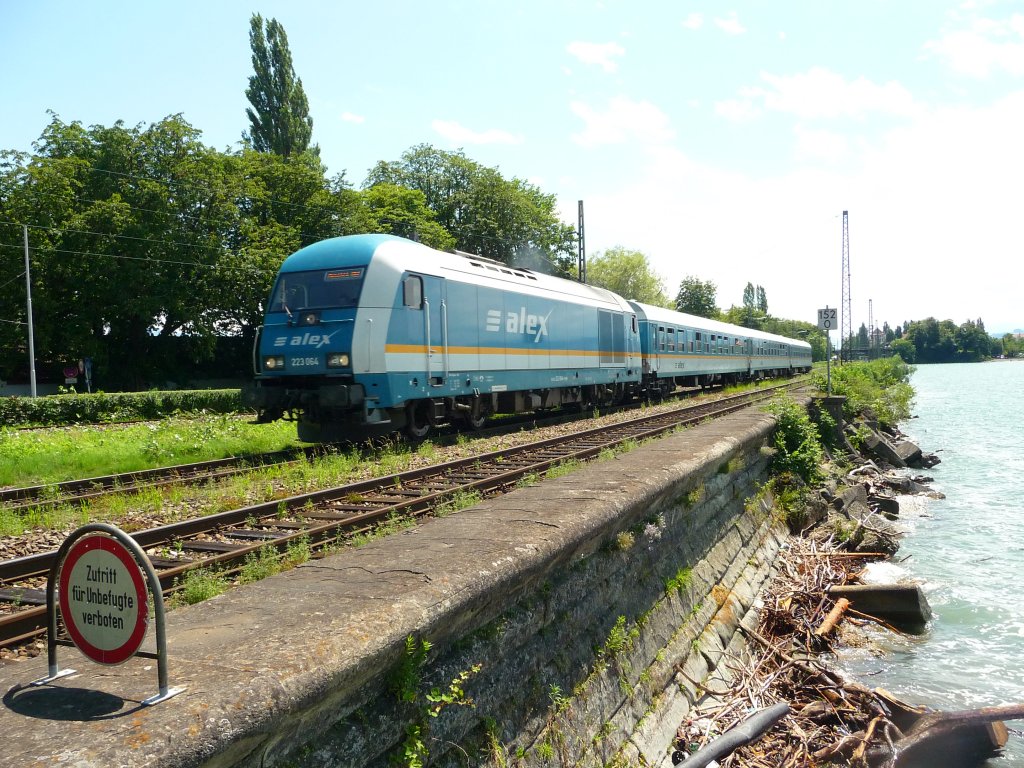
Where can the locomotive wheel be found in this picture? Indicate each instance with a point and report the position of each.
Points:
(474, 420)
(417, 423)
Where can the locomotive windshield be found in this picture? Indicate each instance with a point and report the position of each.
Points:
(320, 289)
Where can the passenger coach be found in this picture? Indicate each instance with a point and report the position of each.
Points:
(686, 350)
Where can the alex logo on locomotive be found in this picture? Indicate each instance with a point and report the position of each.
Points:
(303, 339)
(521, 322)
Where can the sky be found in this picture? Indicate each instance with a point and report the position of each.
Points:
(723, 140)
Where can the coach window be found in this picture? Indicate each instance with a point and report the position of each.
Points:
(671, 339)
(412, 292)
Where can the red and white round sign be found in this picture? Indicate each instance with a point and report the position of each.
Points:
(103, 599)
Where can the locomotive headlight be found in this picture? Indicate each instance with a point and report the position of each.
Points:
(274, 362)
(337, 360)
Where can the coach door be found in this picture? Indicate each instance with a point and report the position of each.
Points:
(428, 333)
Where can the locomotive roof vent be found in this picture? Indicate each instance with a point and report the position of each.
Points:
(481, 262)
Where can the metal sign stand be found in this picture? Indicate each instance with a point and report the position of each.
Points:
(826, 322)
(135, 552)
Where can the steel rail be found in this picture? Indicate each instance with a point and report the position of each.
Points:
(325, 516)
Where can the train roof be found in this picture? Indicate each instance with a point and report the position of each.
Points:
(672, 317)
(402, 254)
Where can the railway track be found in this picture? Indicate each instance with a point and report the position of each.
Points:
(321, 519)
(80, 492)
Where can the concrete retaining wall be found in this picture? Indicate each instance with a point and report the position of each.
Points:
(574, 615)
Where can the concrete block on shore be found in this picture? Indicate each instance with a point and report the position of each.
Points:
(902, 605)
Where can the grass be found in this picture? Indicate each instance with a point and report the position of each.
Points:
(36, 457)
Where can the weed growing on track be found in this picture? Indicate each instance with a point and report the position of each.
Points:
(197, 586)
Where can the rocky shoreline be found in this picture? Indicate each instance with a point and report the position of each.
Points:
(784, 705)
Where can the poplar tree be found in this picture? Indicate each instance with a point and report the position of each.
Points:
(279, 117)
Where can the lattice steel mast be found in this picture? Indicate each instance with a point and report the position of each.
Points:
(583, 249)
(846, 312)
(871, 329)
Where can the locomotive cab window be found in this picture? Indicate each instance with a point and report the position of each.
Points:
(412, 292)
(317, 289)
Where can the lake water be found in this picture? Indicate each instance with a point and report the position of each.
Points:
(967, 550)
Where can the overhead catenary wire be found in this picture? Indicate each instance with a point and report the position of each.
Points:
(147, 260)
(241, 194)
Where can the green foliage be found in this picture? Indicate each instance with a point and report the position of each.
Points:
(558, 700)
(259, 565)
(455, 695)
(509, 220)
(1011, 345)
(391, 209)
(404, 680)
(458, 500)
(697, 297)
(942, 341)
(880, 387)
(679, 582)
(796, 441)
(790, 497)
(279, 120)
(196, 586)
(46, 456)
(619, 639)
(627, 273)
(563, 468)
(414, 752)
(905, 349)
(100, 407)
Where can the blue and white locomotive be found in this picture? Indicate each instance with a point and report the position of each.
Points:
(369, 334)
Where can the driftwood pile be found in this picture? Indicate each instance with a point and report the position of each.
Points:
(812, 716)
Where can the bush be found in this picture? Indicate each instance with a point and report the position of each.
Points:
(880, 387)
(796, 441)
(100, 407)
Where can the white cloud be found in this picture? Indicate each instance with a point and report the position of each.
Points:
(820, 93)
(622, 120)
(459, 134)
(932, 220)
(737, 110)
(825, 146)
(693, 21)
(348, 117)
(600, 54)
(731, 24)
(986, 46)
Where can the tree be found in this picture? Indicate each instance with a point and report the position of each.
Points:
(863, 340)
(751, 316)
(905, 349)
(508, 220)
(749, 298)
(762, 300)
(398, 211)
(279, 118)
(629, 274)
(697, 297)
(151, 252)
